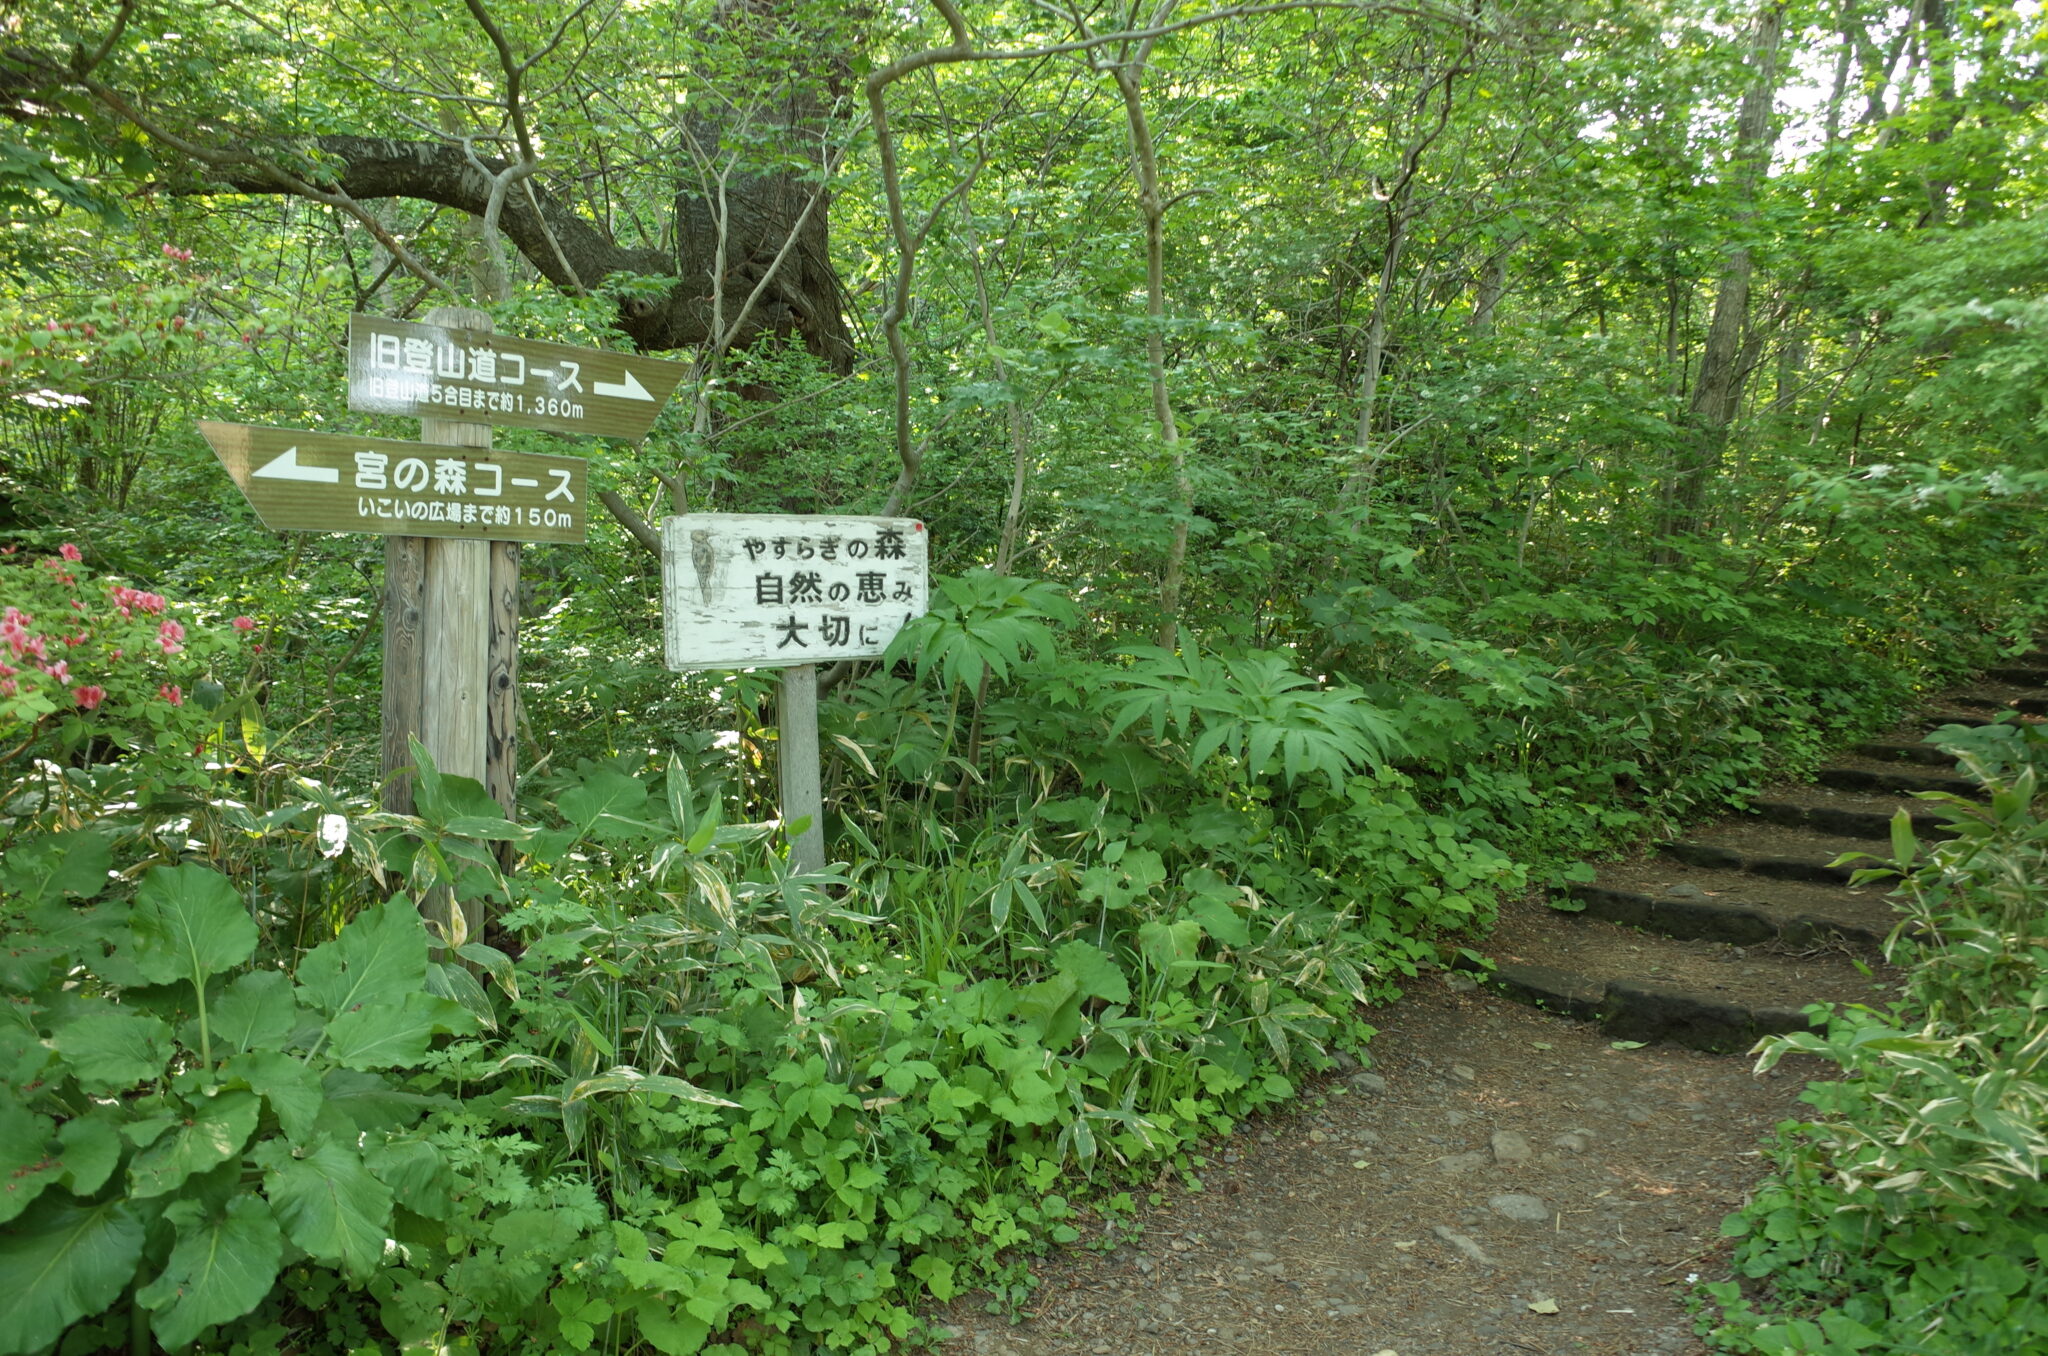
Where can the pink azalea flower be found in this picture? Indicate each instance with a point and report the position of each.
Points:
(151, 602)
(70, 552)
(170, 631)
(245, 623)
(61, 671)
(7, 687)
(89, 696)
(171, 693)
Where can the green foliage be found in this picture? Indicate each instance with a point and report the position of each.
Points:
(1907, 1217)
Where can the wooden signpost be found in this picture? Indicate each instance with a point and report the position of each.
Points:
(746, 590)
(453, 513)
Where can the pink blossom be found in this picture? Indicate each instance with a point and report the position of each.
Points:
(61, 670)
(7, 687)
(34, 645)
(16, 617)
(75, 641)
(8, 670)
(89, 696)
(245, 623)
(171, 693)
(151, 602)
(171, 630)
(9, 550)
(70, 552)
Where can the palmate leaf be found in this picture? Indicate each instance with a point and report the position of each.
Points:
(257, 1012)
(221, 1267)
(188, 923)
(214, 1132)
(379, 958)
(26, 1163)
(112, 1051)
(329, 1203)
(63, 1262)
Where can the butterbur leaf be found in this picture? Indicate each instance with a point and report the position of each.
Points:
(290, 1087)
(62, 1262)
(58, 864)
(27, 1164)
(113, 1051)
(188, 923)
(388, 1037)
(92, 1148)
(214, 1133)
(221, 1267)
(416, 1173)
(379, 958)
(329, 1203)
(257, 1012)
(369, 1102)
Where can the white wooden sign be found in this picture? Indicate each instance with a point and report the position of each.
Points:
(751, 590)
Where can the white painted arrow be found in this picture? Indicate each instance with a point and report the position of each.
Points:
(285, 466)
(629, 389)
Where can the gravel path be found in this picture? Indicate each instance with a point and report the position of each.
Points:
(1499, 1181)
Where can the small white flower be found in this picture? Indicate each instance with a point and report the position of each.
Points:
(333, 835)
(1692, 1278)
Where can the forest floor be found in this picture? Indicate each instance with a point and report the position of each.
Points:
(1498, 1181)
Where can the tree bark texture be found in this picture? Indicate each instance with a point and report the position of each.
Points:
(572, 252)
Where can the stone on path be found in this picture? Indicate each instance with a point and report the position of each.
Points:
(1464, 1245)
(1520, 1208)
(1510, 1147)
(1456, 1163)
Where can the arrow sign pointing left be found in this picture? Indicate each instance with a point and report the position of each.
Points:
(628, 387)
(400, 488)
(286, 467)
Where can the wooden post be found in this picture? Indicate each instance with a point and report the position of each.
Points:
(438, 626)
(802, 792)
(501, 719)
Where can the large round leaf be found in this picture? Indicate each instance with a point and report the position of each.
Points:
(188, 923)
(222, 1267)
(62, 1262)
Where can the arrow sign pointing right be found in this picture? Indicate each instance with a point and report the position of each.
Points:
(285, 466)
(627, 389)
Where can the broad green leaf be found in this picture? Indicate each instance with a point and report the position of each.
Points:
(460, 986)
(113, 1051)
(92, 1150)
(290, 1087)
(630, 1080)
(379, 958)
(605, 792)
(188, 923)
(1903, 843)
(376, 1036)
(214, 1133)
(257, 1012)
(1094, 970)
(27, 1164)
(329, 1203)
(369, 1102)
(1169, 944)
(221, 1267)
(1221, 921)
(53, 865)
(416, 1173)
(62, 1262)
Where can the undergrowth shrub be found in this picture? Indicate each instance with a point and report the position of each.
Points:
(1910, 1214)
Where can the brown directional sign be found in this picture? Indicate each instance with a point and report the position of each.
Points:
(431, 371)
(298, 481)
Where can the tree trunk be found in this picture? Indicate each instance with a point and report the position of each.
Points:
(1725, 359)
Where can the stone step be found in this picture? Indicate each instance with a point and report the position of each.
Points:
(1888, 751)
(1708, 995)
(2022, 674)
(1759, 848)
(1893, 778)
(1717, 905)
(1845, 814)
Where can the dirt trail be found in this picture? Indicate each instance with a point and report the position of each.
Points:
(1509, 1159)
(1502, 1181)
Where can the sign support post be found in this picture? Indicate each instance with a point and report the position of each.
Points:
(801, 772)
(444, 595)
(755, 590)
